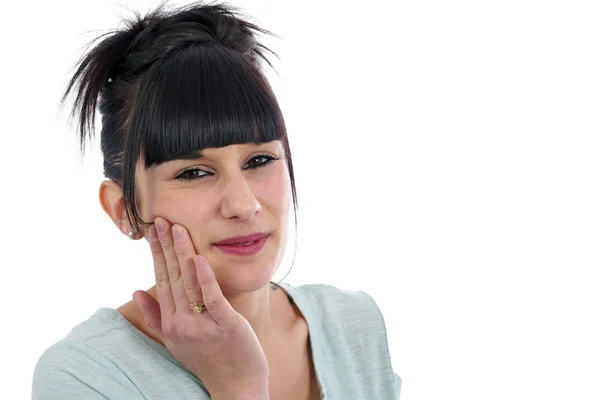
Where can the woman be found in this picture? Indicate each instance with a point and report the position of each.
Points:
(198, 163)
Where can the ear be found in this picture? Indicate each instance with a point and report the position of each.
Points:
(111, 199)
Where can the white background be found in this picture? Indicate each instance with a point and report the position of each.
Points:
(447, 163)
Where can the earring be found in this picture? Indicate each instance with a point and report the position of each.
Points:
(130, 234)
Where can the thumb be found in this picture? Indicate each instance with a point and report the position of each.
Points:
(150, 310)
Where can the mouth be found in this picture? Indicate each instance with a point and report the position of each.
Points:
(242, 240)
(245, 248)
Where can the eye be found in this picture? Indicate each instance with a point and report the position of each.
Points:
(191, 174)
(196, 173)
(268, 160)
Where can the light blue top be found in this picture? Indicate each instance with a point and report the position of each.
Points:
(106, 357)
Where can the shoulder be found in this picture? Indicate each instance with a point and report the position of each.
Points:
(69, 369)
(342, 315)
(338, 303)
(78, 367)
(351, 330)
(106, 357)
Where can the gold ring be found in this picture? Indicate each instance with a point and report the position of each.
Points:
(197, 307)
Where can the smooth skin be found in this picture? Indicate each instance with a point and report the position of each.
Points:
(217, 345)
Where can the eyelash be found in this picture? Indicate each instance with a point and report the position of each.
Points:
(182, 175)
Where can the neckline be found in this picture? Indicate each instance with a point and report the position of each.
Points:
(293, 292)
(316, 350)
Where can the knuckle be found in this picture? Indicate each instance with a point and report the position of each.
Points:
(162, 278)
(174, 273)
(167, 245)
(191, 286)
(156, 251)
(180, 251)
(211, 303)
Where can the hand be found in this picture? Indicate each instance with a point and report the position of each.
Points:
(217, 345)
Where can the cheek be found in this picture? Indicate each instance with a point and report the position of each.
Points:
(181, 208)
(276, 191)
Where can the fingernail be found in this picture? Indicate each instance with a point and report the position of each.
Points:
(177, 232)
(161, 227)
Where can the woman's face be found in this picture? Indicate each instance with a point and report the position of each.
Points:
(230, 191)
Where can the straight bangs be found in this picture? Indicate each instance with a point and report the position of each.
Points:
(200, 97)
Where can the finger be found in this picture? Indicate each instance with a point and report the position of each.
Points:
(180, 298)
(216, 304)
(163, 284)
(186, 252)
(150, 310)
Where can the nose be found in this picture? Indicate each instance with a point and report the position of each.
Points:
(238, 199)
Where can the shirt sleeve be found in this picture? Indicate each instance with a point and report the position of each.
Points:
(65, 372)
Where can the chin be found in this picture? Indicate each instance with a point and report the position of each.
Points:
(246, 277)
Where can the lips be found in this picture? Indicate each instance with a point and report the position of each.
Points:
(242, 240)
(250, 249)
